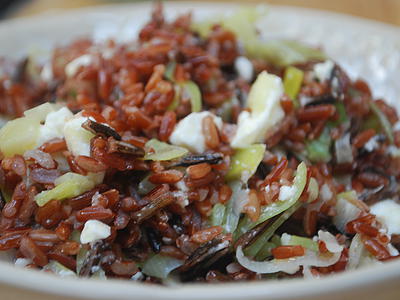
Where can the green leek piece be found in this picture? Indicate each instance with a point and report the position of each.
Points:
(278, 52)
(160, 266)
(160, 151)
(170, 71)
(192, 90)
(188, 87)
(244, 162)
(21, 134)
(18, 136)
(59, 269)
(81, 257)
(265, 251)
(217, 214)
(232, 213)
(318, 150)
(387, 127)
(256, 246)
(275, 208)
(302, 241)
(40, 112)
(292, 81)
(69, 185)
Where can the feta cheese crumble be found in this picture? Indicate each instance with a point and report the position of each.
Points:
(244, 68)
(94, 230)
(264, 102)
(76, 137)
(188, 132)
(388, 211)
(54, 125)
(72, 67)
(323, 70)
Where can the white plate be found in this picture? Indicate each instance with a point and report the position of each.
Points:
(366, 49)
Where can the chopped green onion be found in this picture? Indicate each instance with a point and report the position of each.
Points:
(387, 127)
(160, 266)
(292, 81)
(245, 161)
(193, 92)
(217, 214)
(318, 150)
(159, 151)
(275, 208)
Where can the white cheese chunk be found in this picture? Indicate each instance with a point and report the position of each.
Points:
(286, 192)
(372, 144)
(54, 125)
(266, 111)
(323, 70)
(188, 132)
(94, 230)
(388, 211)
(76, 137)
(72, 67)
(244, 68)
(47, 72)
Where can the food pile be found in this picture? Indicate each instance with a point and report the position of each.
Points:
(195, 152)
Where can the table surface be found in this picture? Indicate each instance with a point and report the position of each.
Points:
(381, 10)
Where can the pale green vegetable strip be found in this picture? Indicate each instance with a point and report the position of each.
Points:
(170, 71)
(245, 161)
(265, 251)
(193, 91)
(99, 274)
(318, 150)
(59, 269)
(177, 96)
(232, 214)
(80, 258)
(255, 247)
(277, 207)
(145, 186)
(349, 195)
(67, 186)
(160, 266)
(292, 81)
(387, 127)
(18, 136)
(313, 190)
(217, 214)
(241, 22)
(39, 113)
(159, 151)
(303, 241)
